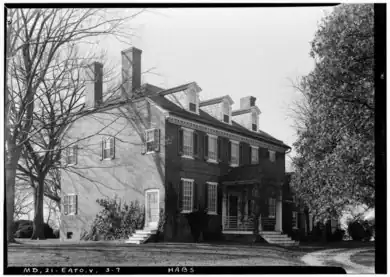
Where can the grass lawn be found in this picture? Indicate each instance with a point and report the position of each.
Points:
(366, 258)
(54, 253)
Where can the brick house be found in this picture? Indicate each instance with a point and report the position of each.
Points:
(172, 152)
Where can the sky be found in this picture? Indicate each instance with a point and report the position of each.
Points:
(235, 51)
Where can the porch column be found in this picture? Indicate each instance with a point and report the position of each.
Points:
(224, 205)
(278, 224)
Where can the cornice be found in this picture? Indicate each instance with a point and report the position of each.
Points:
(222, 133)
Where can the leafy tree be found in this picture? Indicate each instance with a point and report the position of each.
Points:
(334, 165)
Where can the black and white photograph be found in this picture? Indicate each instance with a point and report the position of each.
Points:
(194, 138)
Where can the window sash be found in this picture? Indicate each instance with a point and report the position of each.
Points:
(272, 155)
(254, 155)
(108, 148)
(70, 204)
(213, 148)
(187, 195)
(188, 143)
(212, 198)
(71, 154)
(235, 153)
(150, 139)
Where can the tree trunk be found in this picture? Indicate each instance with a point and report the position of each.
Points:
(38, 223)
(10, 175)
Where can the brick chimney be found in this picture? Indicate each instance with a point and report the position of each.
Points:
(131, 71)
(94, 84)
(247, 102)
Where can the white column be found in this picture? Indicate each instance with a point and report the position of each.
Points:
(278, 225)
(224, 204)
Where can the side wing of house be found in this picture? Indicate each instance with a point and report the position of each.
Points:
(119, 153)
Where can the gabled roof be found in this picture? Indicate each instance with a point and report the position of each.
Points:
(248, 110)
(179, 88)
(216, 101)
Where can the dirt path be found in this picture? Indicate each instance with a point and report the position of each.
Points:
(339, 257)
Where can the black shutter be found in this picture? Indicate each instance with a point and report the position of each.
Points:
(181, 195)
(102, 149)
(219, 144)
(157, 140)
(206, 196)
(219, 199)
(112, 150)
(76, 204)
(196, 144)
(229, 151)
(180, 142)
(195, 196)
(206, 147)
(250, 155)
(241, 156)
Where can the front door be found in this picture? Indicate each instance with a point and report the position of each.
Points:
(233, 211)
(152, 208)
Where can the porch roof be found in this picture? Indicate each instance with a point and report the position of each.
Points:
(251, 173)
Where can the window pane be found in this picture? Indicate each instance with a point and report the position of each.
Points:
(212, 198)
(212, 148)
(187, 143)
(187, 196)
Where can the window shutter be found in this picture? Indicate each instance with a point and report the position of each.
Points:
(75, 204)
(229, 151)
(267, 155)
(180, 142)
(195, 196)
(143, 147)
(206, 147)
(196, 144)
(219, 200)
(206, 196)
(102, 149)
(157, 140)
(67, 156)
(250, 154)
(219, 142)
(65, 207)
(112, 147)
(241, 155)
(181, 195)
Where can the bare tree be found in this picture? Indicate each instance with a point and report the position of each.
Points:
(23, 200)
(36, 41)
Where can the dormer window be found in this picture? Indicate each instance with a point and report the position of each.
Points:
(254, 121)
(192, 101)
(226, 112)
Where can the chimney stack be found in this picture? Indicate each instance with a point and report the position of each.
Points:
(131, 71)
(247, 102)
(94, 84)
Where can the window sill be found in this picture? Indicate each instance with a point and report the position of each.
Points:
(212, 213)
(150, 152)
(233, 165)
(107, 159)
(70, 214)
(187, 157)
(212, 161)
(185, 212)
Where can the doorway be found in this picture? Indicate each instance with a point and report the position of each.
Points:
(152, 208)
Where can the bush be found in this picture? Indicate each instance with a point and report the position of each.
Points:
(56, 233)
(24, 229)
(338, 235)
(356, 231)
(115, 220)
(198, 221)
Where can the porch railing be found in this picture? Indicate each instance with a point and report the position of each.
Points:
(237, 223)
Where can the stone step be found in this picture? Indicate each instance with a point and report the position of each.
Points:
(134, 241)
(141, 236)
(147, 232)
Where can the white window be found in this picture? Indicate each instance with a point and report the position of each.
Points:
(295, 220)
(188, 142)
(192, 102)
(254, 154)
(235, 153)
(213, 148)
(226, 112)
(108, 148)
(272, 207)
(70, 204)
(187, 195)
(272, 155)
(152, 137)
(71, 155)
(254, 121)
(212, 197)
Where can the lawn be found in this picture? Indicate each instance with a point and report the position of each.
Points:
(366, 258)
(152, 254)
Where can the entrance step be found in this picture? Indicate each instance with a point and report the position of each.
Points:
(141, 236)
(274, 237)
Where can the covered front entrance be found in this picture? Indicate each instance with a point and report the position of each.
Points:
(243, 201)
(151, 208)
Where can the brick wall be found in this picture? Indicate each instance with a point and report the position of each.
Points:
(127, 176)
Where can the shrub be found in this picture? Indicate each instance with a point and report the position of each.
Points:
(198, 221)
(115, 220)
(338, 235)
(24, 229)
(56, 233)
(161, 224)
(356, 231)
